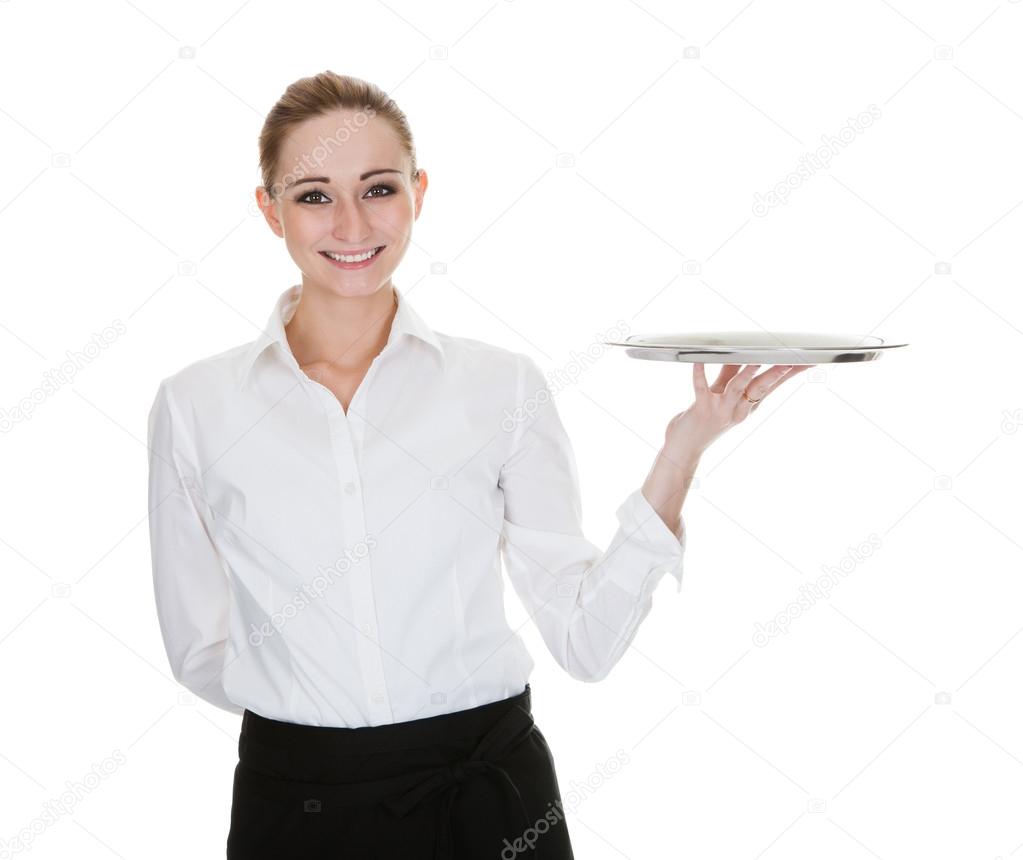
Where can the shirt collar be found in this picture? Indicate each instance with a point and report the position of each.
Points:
(406, 322)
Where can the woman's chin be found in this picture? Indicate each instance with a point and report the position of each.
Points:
(347, 286)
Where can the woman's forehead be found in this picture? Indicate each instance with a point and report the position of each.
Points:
(331, 142)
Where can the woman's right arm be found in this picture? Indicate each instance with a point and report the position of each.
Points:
(190, 582)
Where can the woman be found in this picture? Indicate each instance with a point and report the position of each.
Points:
(329, 507)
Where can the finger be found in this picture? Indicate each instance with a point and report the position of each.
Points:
(739, 382)
(773, 378)
(767, 380)
(699, 379)
(728, 371)
(756, 389)
(794, 370)
(743, 407)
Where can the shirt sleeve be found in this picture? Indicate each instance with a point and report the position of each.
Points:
(190, 582)
(587, 602)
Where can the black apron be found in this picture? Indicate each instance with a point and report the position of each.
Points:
(474, 783)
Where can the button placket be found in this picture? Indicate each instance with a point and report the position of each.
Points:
(360, 580)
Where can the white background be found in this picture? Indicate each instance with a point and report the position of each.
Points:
(588, 163)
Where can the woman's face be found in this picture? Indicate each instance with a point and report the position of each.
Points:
(326, 202)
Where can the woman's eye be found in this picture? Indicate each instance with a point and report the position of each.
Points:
(386, 188)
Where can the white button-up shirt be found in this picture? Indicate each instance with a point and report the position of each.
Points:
(337, 569)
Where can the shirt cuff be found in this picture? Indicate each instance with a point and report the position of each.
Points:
(662, 550)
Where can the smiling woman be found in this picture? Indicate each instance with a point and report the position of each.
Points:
(356, 465)
(327, 510)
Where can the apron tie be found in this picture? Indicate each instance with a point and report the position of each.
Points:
(507, 733)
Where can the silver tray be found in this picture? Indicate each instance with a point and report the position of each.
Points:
(755, 347)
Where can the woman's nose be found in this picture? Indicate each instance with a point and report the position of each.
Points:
(350, 222)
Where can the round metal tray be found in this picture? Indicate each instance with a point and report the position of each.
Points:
(755, 347)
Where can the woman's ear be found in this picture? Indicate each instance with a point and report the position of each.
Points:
(419, 188)
(269, 210)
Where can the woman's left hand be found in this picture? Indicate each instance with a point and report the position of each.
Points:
(721, 406)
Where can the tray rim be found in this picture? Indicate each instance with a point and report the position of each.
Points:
(739, 348)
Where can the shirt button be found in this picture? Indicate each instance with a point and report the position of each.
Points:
(367, 629)
(378, 696)
(349, 488)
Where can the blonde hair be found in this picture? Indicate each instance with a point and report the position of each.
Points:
(315, 96)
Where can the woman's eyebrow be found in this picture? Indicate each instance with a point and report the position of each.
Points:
(327, 179)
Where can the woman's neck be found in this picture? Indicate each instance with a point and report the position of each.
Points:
(342, 331)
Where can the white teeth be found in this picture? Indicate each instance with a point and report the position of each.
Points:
(342, 258)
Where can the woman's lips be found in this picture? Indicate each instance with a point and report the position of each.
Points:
(338, 264)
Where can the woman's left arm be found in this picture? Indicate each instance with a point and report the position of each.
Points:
(716, 408)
